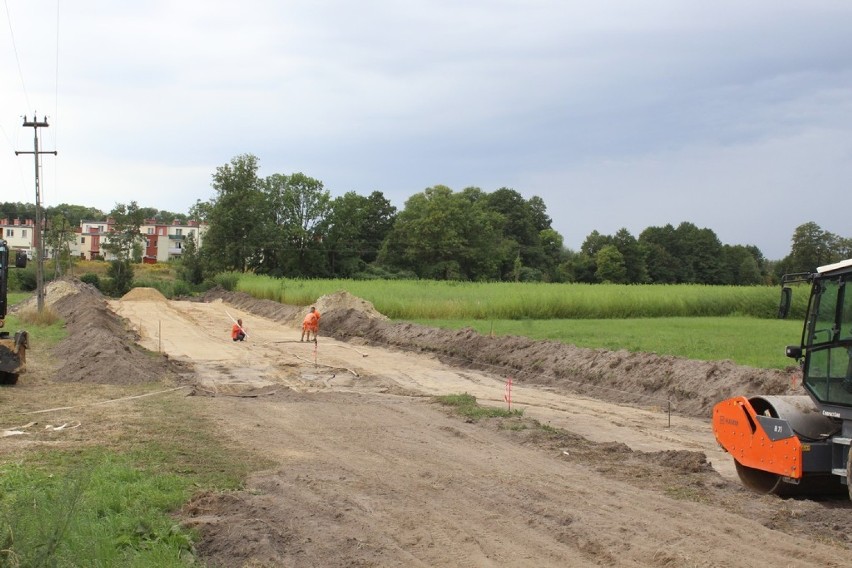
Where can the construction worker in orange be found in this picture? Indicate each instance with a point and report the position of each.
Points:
(310, 324)
(238, 332)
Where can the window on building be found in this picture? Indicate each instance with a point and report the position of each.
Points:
(178, 232)
(150, 230)
(10, 232)
(82, 240)
(24, 233)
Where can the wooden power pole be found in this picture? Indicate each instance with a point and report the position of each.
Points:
(39, 228)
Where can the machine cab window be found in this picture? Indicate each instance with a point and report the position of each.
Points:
(828, 339)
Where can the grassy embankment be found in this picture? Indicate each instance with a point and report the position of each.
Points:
(697, 322)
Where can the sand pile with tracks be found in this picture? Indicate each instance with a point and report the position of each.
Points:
(54, 292)
(143, 294)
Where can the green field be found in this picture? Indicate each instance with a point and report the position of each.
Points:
(422, 299)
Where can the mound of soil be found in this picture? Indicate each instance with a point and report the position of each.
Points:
(53, 292)
(143, 294)
(99, 347)
(343, 300)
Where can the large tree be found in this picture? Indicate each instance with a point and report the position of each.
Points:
(701, 250)
(446, 236)
(58, 239)
(611, 267)
(356, 228)
(124, 242)
(299, 208)
(741, 265)
(635, 269)
(235, 216)
(811, 247)
(524, 221)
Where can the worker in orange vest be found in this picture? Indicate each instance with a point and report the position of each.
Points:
(238, 332)
(310, 324)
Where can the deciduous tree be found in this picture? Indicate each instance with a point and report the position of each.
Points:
(234, 237)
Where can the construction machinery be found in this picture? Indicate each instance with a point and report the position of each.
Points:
(13, 349)
(799, 445)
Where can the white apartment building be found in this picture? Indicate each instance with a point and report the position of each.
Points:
(162, 242)
(20, 234)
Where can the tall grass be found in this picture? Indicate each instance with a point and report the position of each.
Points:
(45, 328)
(421, 299)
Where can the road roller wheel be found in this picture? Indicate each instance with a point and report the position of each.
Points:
(8, 378)
(849, 473)
(811, 485)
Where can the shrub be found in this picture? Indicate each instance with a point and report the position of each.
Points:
(181, 288)
(93, 279)
(121, 272)
(227, 280)
(22, 279)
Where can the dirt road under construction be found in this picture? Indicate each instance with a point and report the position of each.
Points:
(370, 471)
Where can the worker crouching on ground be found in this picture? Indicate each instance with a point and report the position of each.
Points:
(238, 332)
(310, 325)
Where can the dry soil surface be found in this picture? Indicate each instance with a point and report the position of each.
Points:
(370, 471)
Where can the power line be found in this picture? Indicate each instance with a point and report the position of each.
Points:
(15, 49)
(56, 103)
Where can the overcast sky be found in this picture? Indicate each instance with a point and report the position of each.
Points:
(735, 116)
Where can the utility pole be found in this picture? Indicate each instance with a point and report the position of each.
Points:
(35, 124)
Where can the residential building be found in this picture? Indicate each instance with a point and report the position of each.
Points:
(162, 242)
(92, 235)
(20, 234)
(166, 242)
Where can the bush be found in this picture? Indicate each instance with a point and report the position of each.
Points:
(93, 279)
(22, 279)
(181, 288)
(121, 272)
(227, 280)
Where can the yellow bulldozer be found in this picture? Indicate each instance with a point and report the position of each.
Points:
(13, 348)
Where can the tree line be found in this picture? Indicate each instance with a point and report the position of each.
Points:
(291, 226)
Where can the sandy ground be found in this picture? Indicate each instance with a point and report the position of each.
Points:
(370, 471)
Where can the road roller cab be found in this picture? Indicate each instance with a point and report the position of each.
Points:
(799, 445)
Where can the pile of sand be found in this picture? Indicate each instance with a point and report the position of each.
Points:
(54, 291)
(144, 295)
(343, 300)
